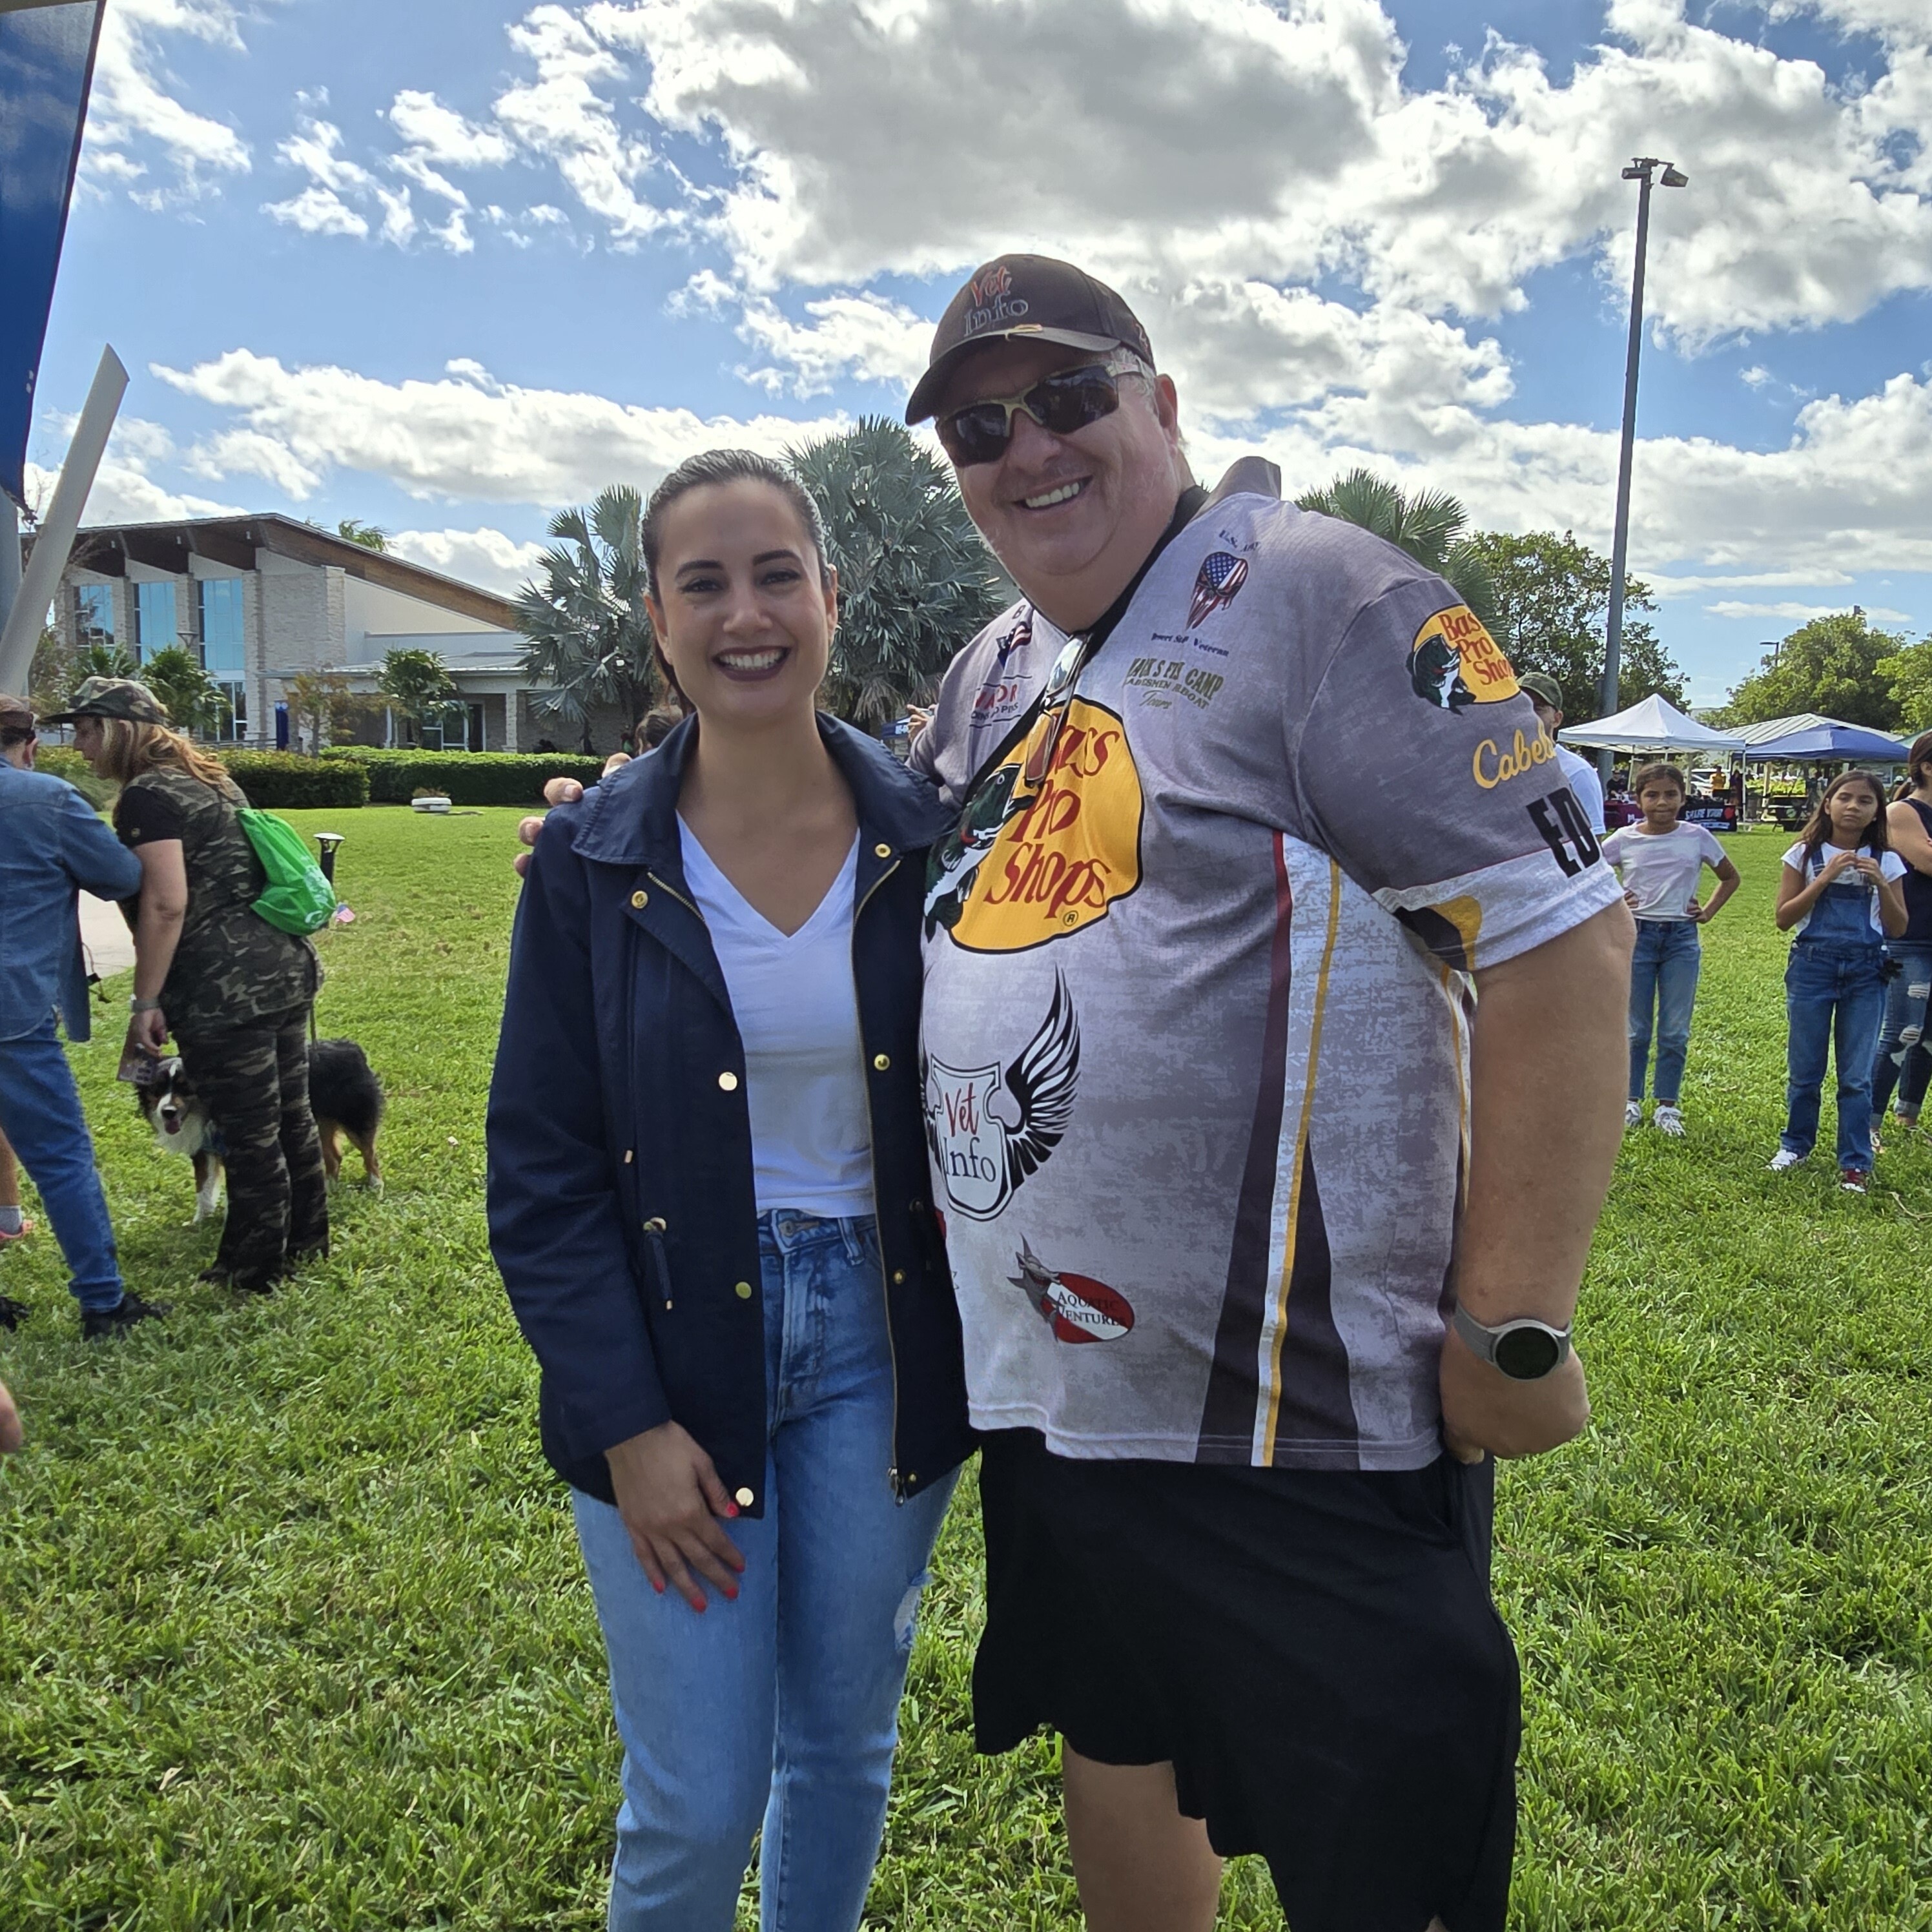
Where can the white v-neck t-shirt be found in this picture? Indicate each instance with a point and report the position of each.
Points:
(797, 1011)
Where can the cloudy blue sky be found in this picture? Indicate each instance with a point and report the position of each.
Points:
(447, 265)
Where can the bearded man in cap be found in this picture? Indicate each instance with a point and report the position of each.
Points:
(52, 847)
(1273, 1047)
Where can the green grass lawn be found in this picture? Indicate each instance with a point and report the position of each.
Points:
(293, 1634)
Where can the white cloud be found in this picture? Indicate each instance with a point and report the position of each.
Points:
(484, 556)
(318, 210)
(465, 436)
(561, 117)
(1800, 613)
(246, 452)
(861, 337)
(441, 135)
(1670, 586)
(133, 105)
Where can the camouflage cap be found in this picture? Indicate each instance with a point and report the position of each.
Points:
(112, 697)
(1545, 690)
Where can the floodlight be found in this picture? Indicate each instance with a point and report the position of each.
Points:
(1674, 177)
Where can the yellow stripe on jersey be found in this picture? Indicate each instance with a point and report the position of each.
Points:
(1277, 1333)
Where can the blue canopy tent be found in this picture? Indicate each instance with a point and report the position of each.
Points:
(1811, 738)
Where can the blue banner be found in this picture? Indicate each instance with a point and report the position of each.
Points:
(47, 66)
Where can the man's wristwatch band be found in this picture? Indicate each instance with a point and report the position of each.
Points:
(144, 1005)
(1525, 1350)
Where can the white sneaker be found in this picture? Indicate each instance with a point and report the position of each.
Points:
(1632, 1113)
(1782, 1161)
(1669, 1120)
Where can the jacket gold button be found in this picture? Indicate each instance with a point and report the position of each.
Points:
(628, 1154)
(882, 851)
(744, 1499)
(743, 1290)
(640, 900)
(898, 1277)
(729, 1082)
(882, 1060)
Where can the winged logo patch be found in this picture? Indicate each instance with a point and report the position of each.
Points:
(990, 1127)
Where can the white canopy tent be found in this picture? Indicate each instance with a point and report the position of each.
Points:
(1650, 725)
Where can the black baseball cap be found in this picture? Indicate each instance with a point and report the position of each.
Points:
(1029, 297)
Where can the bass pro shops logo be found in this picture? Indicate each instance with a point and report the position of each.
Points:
(1022, 869)
(1455, 663)
(982, 1156)
(1076, 1307)
(990, 300)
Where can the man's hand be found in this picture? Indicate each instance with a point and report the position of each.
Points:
(11, 1434)
(1484, 1410)
(556, 791)
(670, 1496)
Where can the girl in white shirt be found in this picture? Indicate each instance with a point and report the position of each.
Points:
(1660, 863)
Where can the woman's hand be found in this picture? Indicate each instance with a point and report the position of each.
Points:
(1869, 869)
(556, 791)
(670, 1497)
(1833, 867)
(147, 1032)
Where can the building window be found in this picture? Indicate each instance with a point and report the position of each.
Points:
(93, 614)
(156, 625)
(234, 727)
(222, 656)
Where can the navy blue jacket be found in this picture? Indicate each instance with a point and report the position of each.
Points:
(622, 1212)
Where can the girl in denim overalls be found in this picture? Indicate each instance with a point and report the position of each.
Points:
(1841, 890)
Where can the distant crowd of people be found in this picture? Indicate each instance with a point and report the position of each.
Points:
(1190, 1081)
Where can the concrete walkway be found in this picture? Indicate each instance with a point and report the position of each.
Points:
(110, 946)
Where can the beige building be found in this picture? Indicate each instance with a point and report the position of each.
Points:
(261, 599)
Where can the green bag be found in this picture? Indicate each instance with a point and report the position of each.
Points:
(298, 899)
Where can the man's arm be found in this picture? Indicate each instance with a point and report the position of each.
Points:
(1548, 1058)
(93, 857)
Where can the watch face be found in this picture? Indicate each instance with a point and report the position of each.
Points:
(1527, 1353)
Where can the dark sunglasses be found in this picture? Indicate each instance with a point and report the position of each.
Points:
(1061, 403)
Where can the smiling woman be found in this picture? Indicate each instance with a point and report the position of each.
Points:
(707, 1200)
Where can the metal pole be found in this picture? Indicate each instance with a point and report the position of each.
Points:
(1620, 542)
(10, 558)
(54, 541)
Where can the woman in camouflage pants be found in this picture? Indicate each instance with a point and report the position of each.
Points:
(235, 992)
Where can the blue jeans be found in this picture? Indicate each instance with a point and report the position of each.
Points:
(40, 1113)
(1663, 976)
(782, 1707)
(1834, 997)
(1902, 1058)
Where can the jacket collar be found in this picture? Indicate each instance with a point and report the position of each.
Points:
(630, 818)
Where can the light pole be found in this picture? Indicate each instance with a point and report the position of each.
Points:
(1640, 171)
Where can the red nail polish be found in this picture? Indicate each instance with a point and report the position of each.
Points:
(730, 1509)
(731, 1596)
(659, 1587)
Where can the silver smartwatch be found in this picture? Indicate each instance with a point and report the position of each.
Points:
(1525, 1350)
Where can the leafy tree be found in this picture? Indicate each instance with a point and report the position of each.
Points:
(417, 684)
(322, 704)
(108, 660)
(194, 702)
(1908, 673)
(915, 580)
(588, 635)
(51, 677)
(369, 536)
(1832, 665)
(1553, 602)
(1431, 525)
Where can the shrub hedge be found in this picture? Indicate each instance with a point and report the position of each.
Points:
(464, 778)
(277, 780)
(64, 762)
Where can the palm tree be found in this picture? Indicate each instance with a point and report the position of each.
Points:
(915, 580)
(194, 700)
(1431, 525)
(418, 684)
(588, 635)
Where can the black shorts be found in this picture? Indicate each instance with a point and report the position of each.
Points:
(1315, 1653)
